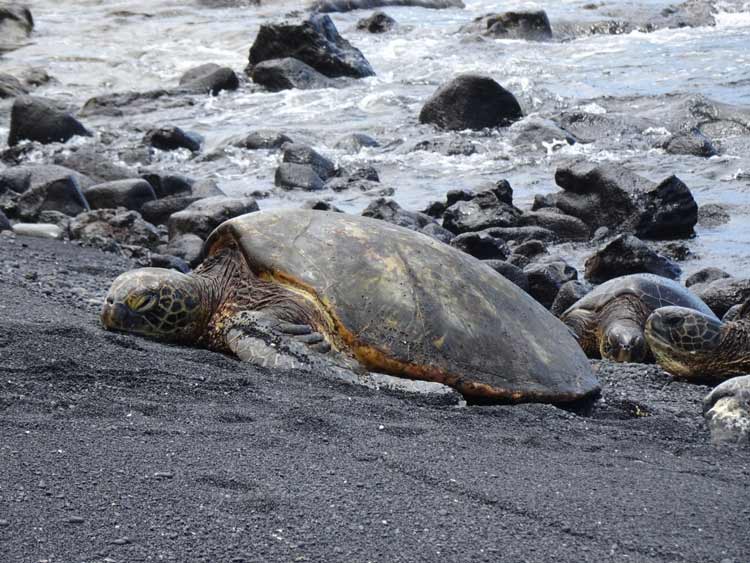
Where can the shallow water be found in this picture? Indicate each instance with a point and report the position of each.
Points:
(95, 47)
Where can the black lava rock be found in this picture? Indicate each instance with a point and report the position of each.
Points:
(378, 22)
(569, 293)
(286, 74)
(172, 138)
(625, 255)
(36, 119)
(203, 216)
(481, 245)
(210, 78)
(471, 101)
(546, 279)
(130, 194)
(692, 142)
(528, 25)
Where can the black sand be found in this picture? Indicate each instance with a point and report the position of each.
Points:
(119, 449)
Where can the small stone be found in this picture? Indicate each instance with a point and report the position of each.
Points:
(4, 523)
(76, 520)
(163, 474)
(121, 541)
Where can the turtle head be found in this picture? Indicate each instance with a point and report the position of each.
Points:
(623, 342)
(155, 302)
(685, 342)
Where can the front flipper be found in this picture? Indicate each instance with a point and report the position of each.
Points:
(262, 339)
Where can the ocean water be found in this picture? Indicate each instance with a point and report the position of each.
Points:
(94, 47)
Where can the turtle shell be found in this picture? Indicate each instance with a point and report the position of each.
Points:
(406, 304)
(653, 291)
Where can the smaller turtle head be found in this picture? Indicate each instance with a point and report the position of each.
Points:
(623, 342)
(155, 302)
(685, 342)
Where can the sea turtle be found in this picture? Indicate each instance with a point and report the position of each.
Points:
(694, 345)
(727, 411)
(608, 322)
(393, 300)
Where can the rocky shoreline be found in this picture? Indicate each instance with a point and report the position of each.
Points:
(201, 458)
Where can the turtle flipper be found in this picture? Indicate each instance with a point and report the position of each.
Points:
(262, 339)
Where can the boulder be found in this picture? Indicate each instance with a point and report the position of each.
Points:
(611, 196)
(36, 119)
(315, 42)
(110, 228)
(481, 245)
(722, 294)
(188, 247)
(483, 211)
(203, 216)
(566, 227)
(61, 194)
(323, 6)
(624, 255)
(528, 25)
(169, 262)
(471, 101)
(390, 211)
(355, 142)
(130, 194)
(692, 142)
(569, 293)
(22, 178)
(11, 87)
(299, 153)
(546, 279)
(263, 140)
(288, 73)
(209, 78)
(171, 138)
(16, 25)
(92, 161)
(168, 185)
(378, 22)
(713, 215)
(290, 175)
(157, 212)
(510, 272)
(38, 230)
(4, 223)
(706, 276)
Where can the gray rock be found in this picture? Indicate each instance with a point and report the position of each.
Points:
(378, 22)
(16, 25)
(713, 215)
(169, 262)
(481, 245)
(61, 194)
(355, 142)
(168, 185)
(263, 140)
(187, 247)
(320, 205)
(692, 142)
(130, 194)
(4, 223)
(722, 294)
(485, 210)
(11, 87)
(299, 153)
(91, 161)
(522, 234)
(471, 101)
(22, 178)
(625, 255)
(569, 293)
(437, 232)
(447, 147)
(288, 73)
(390, 211)
(315, 42)
(535, 132)
(611, 196)
(566, 227)
(111, 228)
(528, 25)
(546, 279)
(210, 78)
(171, 138)
(290, 175)
(510, 272)
(706, 276)
(203, 216)
(38, 230)
(36, 119)
(158, 212)
(349, 5)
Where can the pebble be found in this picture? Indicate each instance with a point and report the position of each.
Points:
(76, 520)
(4, 523)
(121, 541)
(163, 474)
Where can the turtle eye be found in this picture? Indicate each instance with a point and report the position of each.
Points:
(140, 303)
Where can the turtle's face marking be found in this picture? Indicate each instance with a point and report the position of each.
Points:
(154, 302)
(685, 342)
(623, 342)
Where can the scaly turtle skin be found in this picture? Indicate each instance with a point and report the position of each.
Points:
(383, 297)
(693, 345)
(608, 322)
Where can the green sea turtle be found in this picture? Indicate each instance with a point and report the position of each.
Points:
(386, 298)
(608, 322)
(694, 345)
